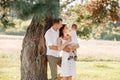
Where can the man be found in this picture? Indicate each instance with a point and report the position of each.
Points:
(51, 37)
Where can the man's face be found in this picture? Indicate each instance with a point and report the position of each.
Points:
(59, 25)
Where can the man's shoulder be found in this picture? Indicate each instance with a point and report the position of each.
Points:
(48, 31)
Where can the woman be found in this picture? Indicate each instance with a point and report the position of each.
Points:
(68, 67)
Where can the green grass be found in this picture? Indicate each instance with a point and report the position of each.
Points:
(98, 71)
(101, 70)
(9, 66)
(90, 58)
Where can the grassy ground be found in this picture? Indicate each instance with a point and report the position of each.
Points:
(99, 60)
(10, 69)
(9, 66)
(98, 71)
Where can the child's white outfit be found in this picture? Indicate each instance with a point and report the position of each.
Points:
(73, 35)
(74, 41)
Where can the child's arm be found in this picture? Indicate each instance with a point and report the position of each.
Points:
(75, 46)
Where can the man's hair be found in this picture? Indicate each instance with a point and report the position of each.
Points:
(57, 20)
(74, 26)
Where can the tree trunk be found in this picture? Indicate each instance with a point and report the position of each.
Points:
(33, 53)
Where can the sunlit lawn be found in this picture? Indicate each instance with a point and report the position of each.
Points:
(10, 69)
(9, 66)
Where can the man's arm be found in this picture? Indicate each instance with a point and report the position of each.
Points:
(53, 47)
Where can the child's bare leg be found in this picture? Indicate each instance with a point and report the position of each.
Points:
(75, 54)
(70, 78)
(65, 78)
(70, 55)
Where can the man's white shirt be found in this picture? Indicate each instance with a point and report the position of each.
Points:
(51, 37)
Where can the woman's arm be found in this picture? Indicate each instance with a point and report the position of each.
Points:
(60, 45)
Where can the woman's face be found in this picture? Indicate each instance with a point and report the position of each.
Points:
(65, 30)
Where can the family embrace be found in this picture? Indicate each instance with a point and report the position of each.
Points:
(61, 49)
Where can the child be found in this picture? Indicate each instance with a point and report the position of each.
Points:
(74, 42)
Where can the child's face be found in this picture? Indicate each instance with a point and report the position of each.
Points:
(73, 28)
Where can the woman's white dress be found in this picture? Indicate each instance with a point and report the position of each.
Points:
(68, 67)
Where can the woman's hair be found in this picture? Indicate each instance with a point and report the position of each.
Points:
(61, 30)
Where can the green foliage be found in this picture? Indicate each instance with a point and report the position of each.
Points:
(38, 8)
(26, 9)
(65, 3)
(84, 33)
(110, 33)
(6, 22)
(4, 17)
(19, 28)
(111, 36)
(5, 3)
(117, 30)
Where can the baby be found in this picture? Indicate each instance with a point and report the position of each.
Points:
(74, 43)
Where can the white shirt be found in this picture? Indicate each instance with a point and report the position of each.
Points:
(73, 35)
(51, 37)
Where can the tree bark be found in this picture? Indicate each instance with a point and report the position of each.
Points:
(33, 53)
